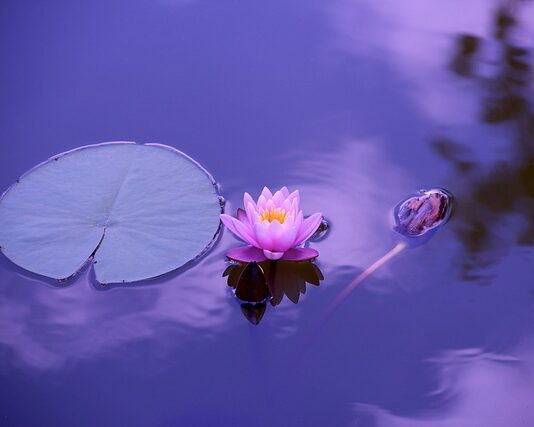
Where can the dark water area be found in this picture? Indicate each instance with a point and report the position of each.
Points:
(355, 103)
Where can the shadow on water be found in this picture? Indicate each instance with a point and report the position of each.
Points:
(491, 193)
(256, 284)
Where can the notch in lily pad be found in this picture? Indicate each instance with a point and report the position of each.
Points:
(140, 210)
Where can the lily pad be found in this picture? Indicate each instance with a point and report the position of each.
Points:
(141, 210)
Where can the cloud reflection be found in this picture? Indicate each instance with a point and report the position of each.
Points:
(481, 389)
(356, 203)
(414, 38)
(46, 327)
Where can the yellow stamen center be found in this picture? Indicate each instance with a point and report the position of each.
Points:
(272, 214)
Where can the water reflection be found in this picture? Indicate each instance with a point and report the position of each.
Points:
(37, 321)
(491, 193)
(408, 37)
(475, 388)
(357, 167)
(356, 204)
(255, 284)
(414, 38)
(463, 69)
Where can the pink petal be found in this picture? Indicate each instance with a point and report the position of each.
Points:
(300, 254)
(263, 234)
(282, 236)
(242, 215)
(272, 255)
(270, 205)
(262, 202)
(297, 223)
(250, 254)
(278, 198)
(239, 229)
(246, 254)
(286, 204)
(266, 193)
(290, 220)
(294, 197)
(245, 230)
(247, 198)
(285, 192)
(252, 215)
(308, 227)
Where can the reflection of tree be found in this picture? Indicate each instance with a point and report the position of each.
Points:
(256, 283)
(505, 187)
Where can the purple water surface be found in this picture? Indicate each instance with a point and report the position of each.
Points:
(357, 104)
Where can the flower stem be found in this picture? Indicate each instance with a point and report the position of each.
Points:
(398, 248)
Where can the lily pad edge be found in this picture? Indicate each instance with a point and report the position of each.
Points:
(89, 261)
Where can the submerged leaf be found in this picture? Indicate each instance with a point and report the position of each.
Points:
(253, 312)
(252, 286)
(142, 210)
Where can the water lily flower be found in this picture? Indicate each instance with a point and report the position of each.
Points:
(274, 227)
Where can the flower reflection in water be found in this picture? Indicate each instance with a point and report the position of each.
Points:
(256, 284)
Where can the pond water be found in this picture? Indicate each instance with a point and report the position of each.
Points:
(355, 103)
